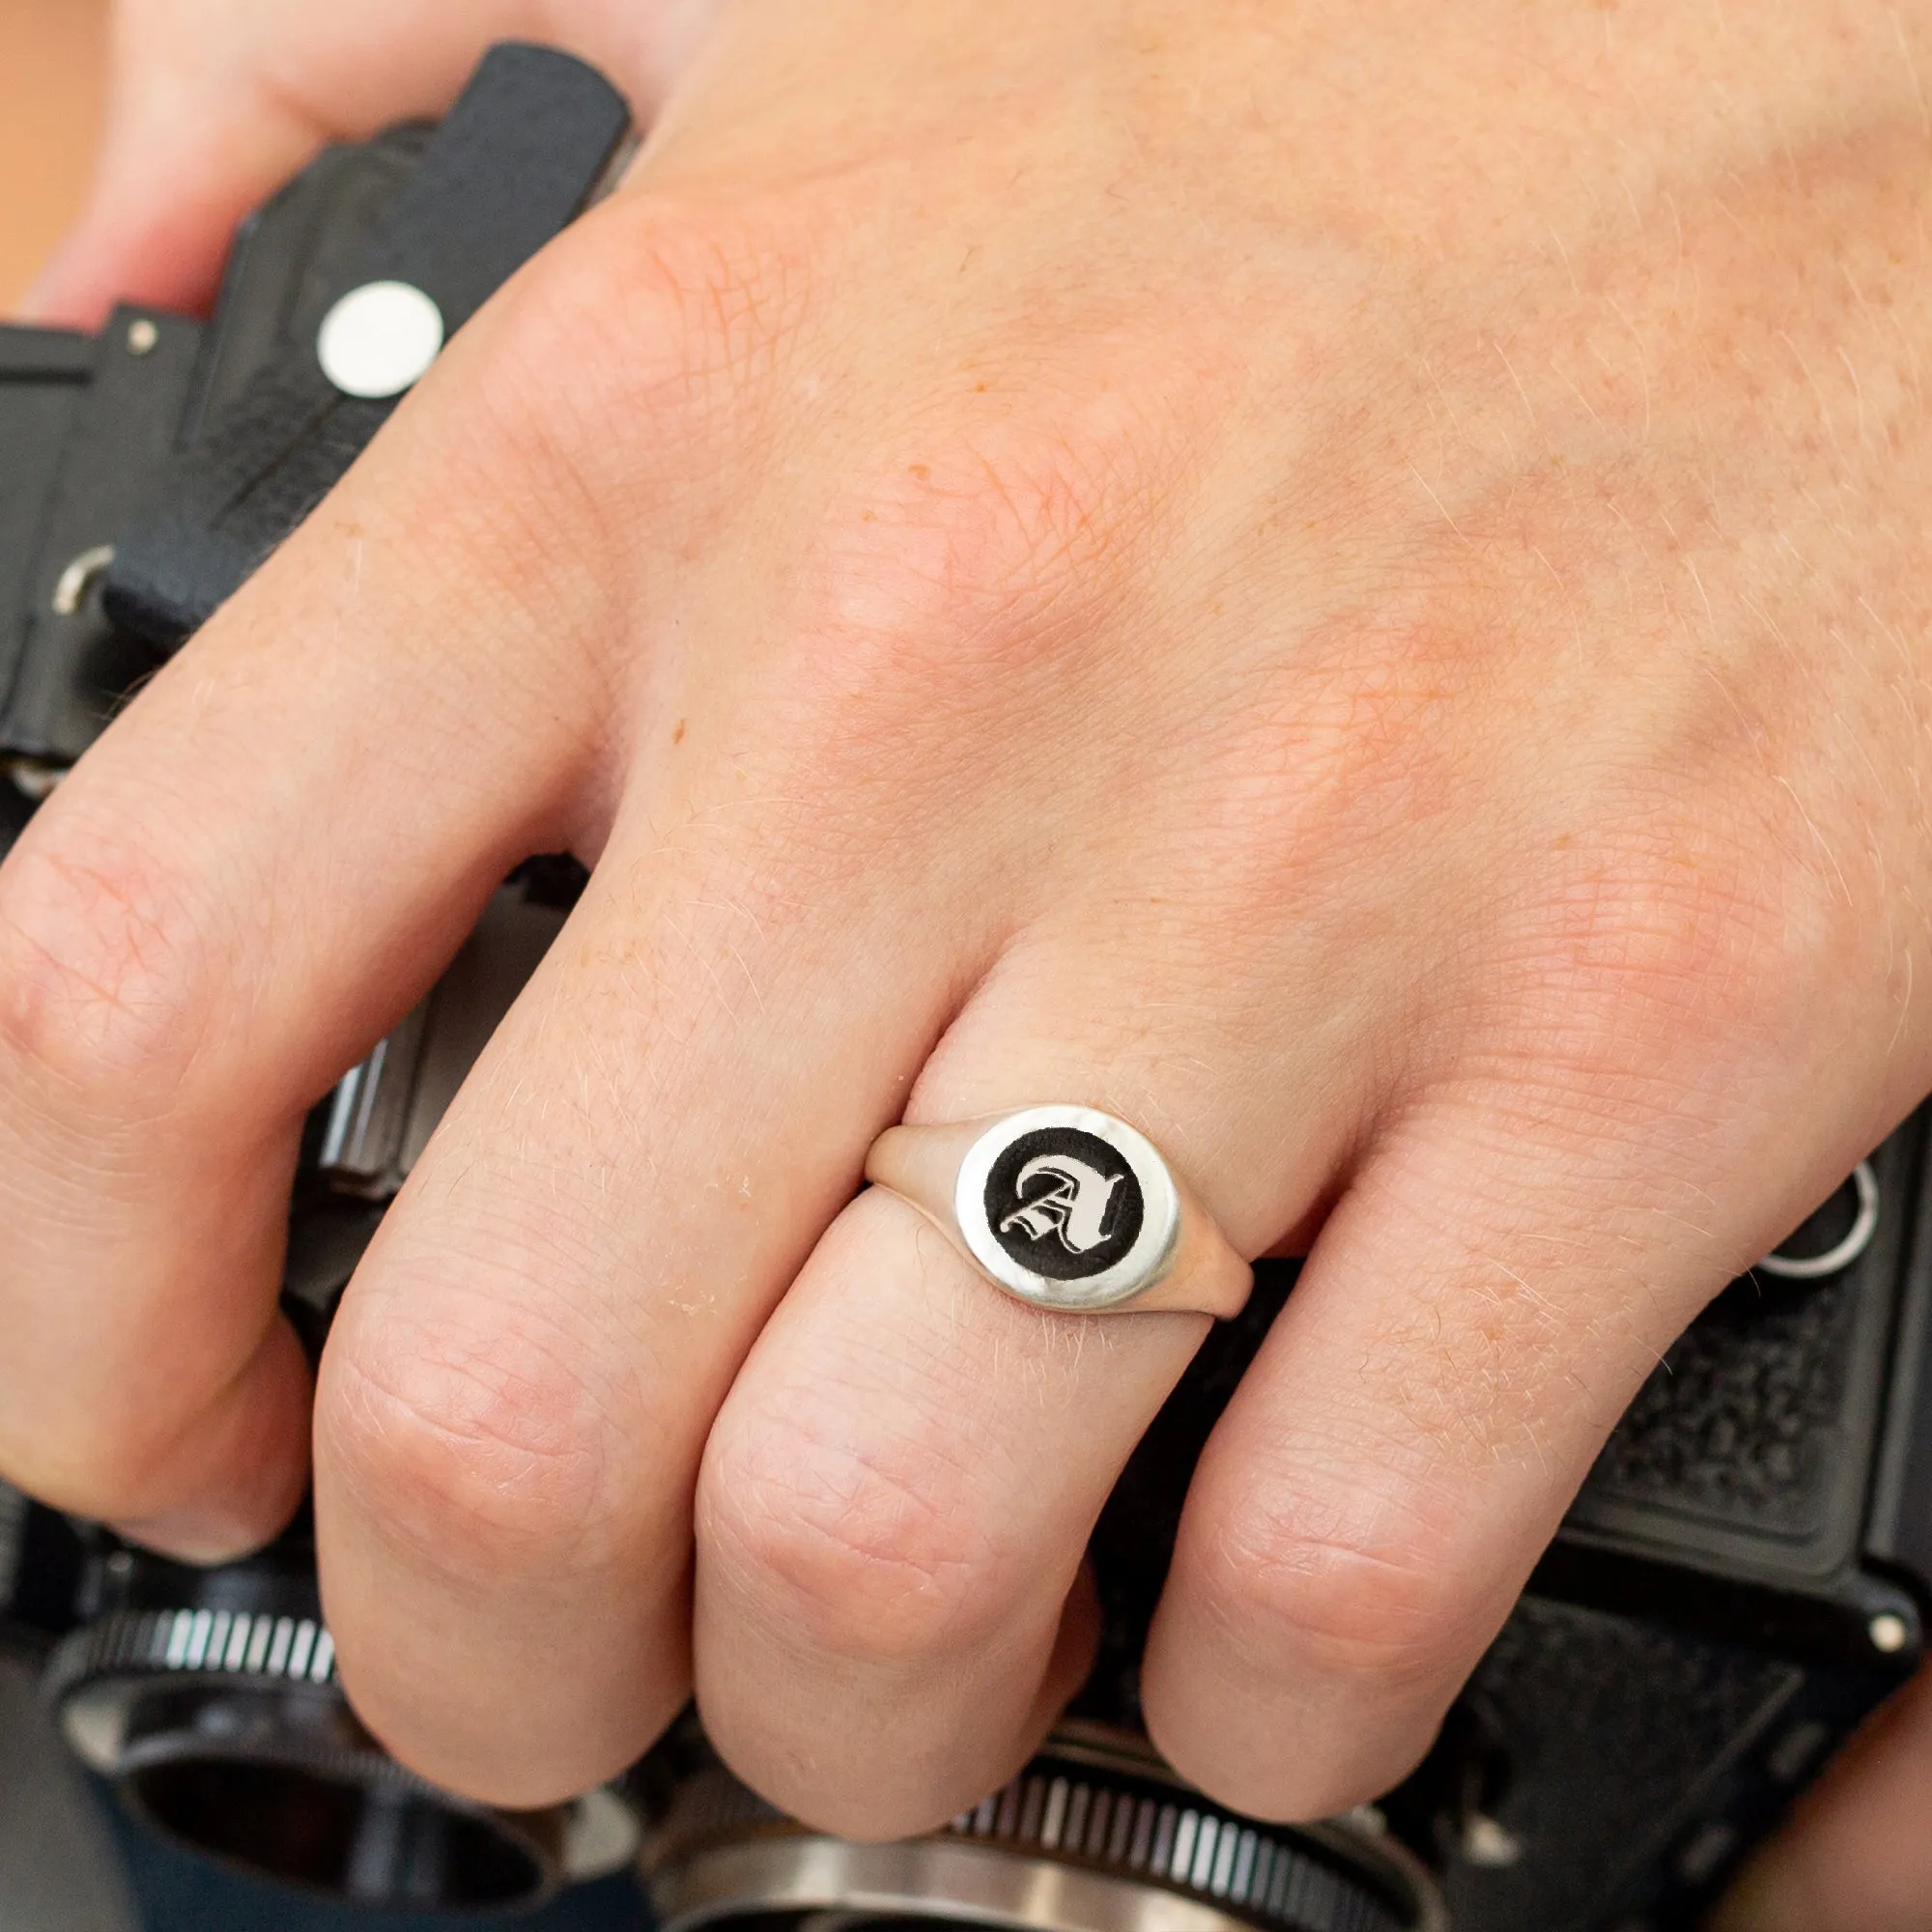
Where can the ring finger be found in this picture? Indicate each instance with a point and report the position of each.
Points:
(899, 1487)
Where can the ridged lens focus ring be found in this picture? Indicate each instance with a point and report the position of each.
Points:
(223, 1723)
(1094, 1836)
(287, 1650)
(1183, 1842)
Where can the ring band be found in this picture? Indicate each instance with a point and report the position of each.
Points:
(1067, 1208)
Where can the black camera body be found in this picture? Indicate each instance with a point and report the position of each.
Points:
(1743, 1580)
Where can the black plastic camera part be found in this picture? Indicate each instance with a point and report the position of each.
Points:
(519, 158)
(88, 427)
(1743, 1580)
(150, 471)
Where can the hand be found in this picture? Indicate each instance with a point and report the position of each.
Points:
(1857, 1857)
(1348, 583)
(217, 102)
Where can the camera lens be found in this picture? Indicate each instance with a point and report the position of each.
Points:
(364, 1842)
(1094, 1836)
(210, 1699)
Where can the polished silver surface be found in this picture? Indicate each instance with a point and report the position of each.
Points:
(1058, 1204)
(369, 1116)
(926, 1878)
(380, 340)
(79, 578)
(86, 1675)
(147, 1692)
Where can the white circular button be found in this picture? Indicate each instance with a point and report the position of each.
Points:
(380, 340)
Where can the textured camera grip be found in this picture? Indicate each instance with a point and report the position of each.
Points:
(516, 161)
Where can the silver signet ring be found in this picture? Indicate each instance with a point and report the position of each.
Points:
(1065, 1208)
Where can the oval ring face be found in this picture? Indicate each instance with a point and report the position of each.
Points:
(1067, 1207)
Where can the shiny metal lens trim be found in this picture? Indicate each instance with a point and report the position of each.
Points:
(1865, 1225)
(1097, 1835)
(933, 1878)
(946, 1878)
(280, 1671)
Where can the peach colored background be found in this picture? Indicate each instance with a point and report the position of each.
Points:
(51, 57)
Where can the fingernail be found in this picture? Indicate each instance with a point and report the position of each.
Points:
(1759, 1900)
(197, 1535)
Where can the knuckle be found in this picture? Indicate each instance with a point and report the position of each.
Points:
(1661, 935)
(1377, 1607)
(668, 321)
(993, 555)
(105, 949)
(874, 1554)
(473, 1431)
(1668, 925)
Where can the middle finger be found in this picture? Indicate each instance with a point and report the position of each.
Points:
(514, 1397)
(898, 1491)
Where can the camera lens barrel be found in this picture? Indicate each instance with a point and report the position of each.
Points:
(1094, 1836)
(210, 1699)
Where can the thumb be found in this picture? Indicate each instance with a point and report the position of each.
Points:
(1856, 1856)
(214, 103)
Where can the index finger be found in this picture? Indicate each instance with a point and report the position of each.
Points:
(245, 884)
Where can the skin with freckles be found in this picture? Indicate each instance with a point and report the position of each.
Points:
(1343, 582)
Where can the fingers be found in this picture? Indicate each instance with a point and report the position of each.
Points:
(180, 166)
(1856, 1856)
(898, 1492)
(518, 1387)
(224, 905)
(215, 104)
(522, 1378)
(1475, 1315)
(892, 1512)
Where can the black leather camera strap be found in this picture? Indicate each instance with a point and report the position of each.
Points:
(517, 159)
